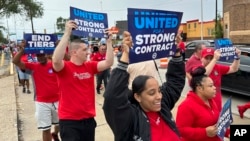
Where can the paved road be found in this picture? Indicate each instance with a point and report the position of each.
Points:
(13, 100)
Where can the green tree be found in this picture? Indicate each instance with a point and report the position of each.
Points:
(2, 39)
(218, 28)
(29, 8)
(60, 24)
(8, 7)
(32, 9)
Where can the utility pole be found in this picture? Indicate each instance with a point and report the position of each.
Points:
(216, 20)
(54, 28)
(101, 5)
(201, 20)
(216, 9)
(15, 26)
(8, 32)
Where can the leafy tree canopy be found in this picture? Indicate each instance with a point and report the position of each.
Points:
(60, 24)
(218, 28)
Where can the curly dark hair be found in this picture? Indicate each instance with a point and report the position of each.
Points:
(197, 76)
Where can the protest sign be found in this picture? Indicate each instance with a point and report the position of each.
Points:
(153, 33)
(40, 43)
(90, 24)
(225, 119)
(226, 47)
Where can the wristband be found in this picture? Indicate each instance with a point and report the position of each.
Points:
(237, 58)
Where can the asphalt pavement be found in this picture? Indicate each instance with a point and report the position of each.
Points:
(18, 113)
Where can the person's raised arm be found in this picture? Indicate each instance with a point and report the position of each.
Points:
(210, 66)
(108, 62)
(59, 52)
(17, 58)
(127, 43)
(116, 104)
(175, 80)
(236, 63)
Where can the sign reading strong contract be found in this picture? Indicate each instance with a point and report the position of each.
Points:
(90, 24)
(153, 33)
(227, 49)
(40, 43)
(225, 119)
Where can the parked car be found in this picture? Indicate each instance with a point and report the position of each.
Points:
(238, 82)
(190, 46)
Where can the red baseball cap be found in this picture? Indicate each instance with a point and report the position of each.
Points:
(206, 52)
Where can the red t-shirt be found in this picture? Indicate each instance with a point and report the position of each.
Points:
(192, 62)
(98, 57)
(24, 57)
(216, 76)
(77, 91)
(159, 128)
(45, 82)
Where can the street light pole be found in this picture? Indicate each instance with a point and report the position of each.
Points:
(101, 5)
(216, 10)
(201, 19)
(216, 19)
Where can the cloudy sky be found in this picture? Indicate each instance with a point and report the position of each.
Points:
(116, 10)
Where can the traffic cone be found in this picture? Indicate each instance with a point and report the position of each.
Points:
(163, 63)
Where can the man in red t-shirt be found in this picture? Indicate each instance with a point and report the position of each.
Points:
(76, 84)
(194, 60)
(101, 76)
(46, 93)
(216, 71)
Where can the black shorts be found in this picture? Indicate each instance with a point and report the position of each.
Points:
(77, 130)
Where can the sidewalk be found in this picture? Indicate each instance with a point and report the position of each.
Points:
(8, 114)
(17, 107)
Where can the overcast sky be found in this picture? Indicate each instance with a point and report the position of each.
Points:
(116, 10)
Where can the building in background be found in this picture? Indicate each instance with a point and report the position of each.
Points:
(122, 26)
(237, 20)
(191, 30)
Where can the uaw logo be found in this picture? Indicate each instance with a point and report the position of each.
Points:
(41, 51)
(171, 53)
(209, 50)
(50, 71)
(154, 55)
(90, 34)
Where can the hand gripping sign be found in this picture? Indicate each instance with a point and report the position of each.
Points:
(227, 49)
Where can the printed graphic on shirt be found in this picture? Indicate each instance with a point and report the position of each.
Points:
(80, 76)
(50, 71)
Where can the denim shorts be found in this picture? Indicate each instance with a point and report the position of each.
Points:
(23, 75)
